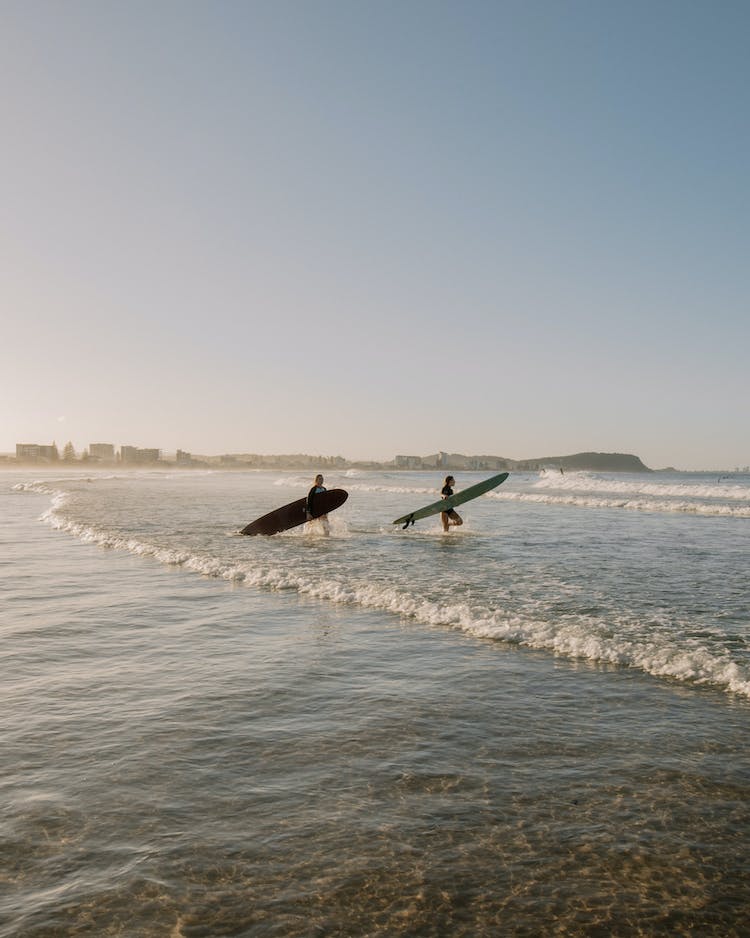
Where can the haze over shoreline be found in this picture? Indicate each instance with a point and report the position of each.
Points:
(134, 458)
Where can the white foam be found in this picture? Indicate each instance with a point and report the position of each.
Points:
(296, 482)
(588, 482)
(394, 489)
(38, 486)
(663, 653)
(629, 502)
(581, 492)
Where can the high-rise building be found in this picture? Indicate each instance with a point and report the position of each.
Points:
(103, 451)
(36, 452)
(409, 462)
(133, 455)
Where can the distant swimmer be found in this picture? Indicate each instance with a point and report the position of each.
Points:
(317, 488)
(450, 517)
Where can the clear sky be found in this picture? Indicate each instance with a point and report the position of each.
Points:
(368, 228)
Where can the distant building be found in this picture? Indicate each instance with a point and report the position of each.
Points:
(409, 462)
(183, 458)
(133, 455)
(103, 451)
(487, 462)
(451, 461)
(34, 452)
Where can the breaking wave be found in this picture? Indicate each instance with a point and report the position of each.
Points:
(622, 643)
(583, 490)
(629, 502)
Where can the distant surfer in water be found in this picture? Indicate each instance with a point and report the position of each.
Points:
(450, 517)
(317, 488)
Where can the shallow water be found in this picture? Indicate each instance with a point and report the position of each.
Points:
(537, 724)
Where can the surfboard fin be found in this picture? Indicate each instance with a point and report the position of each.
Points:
(409, 520)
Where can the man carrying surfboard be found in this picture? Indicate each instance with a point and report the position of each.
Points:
(451, 516)
(317, 488)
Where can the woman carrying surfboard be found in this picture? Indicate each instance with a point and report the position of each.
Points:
(473, 491)
(450, 517)
(317, 488)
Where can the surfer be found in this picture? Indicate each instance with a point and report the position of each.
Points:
(450, 517)
(317, 488)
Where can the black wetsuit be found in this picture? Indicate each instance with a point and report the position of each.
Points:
(446, 493)
(315, 490)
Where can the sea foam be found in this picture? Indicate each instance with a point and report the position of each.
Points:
(622, 642)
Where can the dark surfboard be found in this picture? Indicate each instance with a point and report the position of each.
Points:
(293, 514)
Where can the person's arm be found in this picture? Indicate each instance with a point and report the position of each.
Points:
(310, 497)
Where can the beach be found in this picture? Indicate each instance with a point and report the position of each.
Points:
(535, 725)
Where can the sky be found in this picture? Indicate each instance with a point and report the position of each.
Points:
(360, 228)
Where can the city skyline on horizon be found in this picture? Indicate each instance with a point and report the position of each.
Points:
(377, 228)
(131, 453)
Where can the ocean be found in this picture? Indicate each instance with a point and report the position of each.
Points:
(536, 724)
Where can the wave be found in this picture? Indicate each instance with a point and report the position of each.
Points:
(49, 486)
(38, 486)
(583, 491)
(583, 481)
(628, 502)
(576, 637)
(298, 483)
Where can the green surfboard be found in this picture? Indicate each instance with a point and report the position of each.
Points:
(459, 498)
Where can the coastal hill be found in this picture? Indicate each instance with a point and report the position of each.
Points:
(590, 462)
(593, 462)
